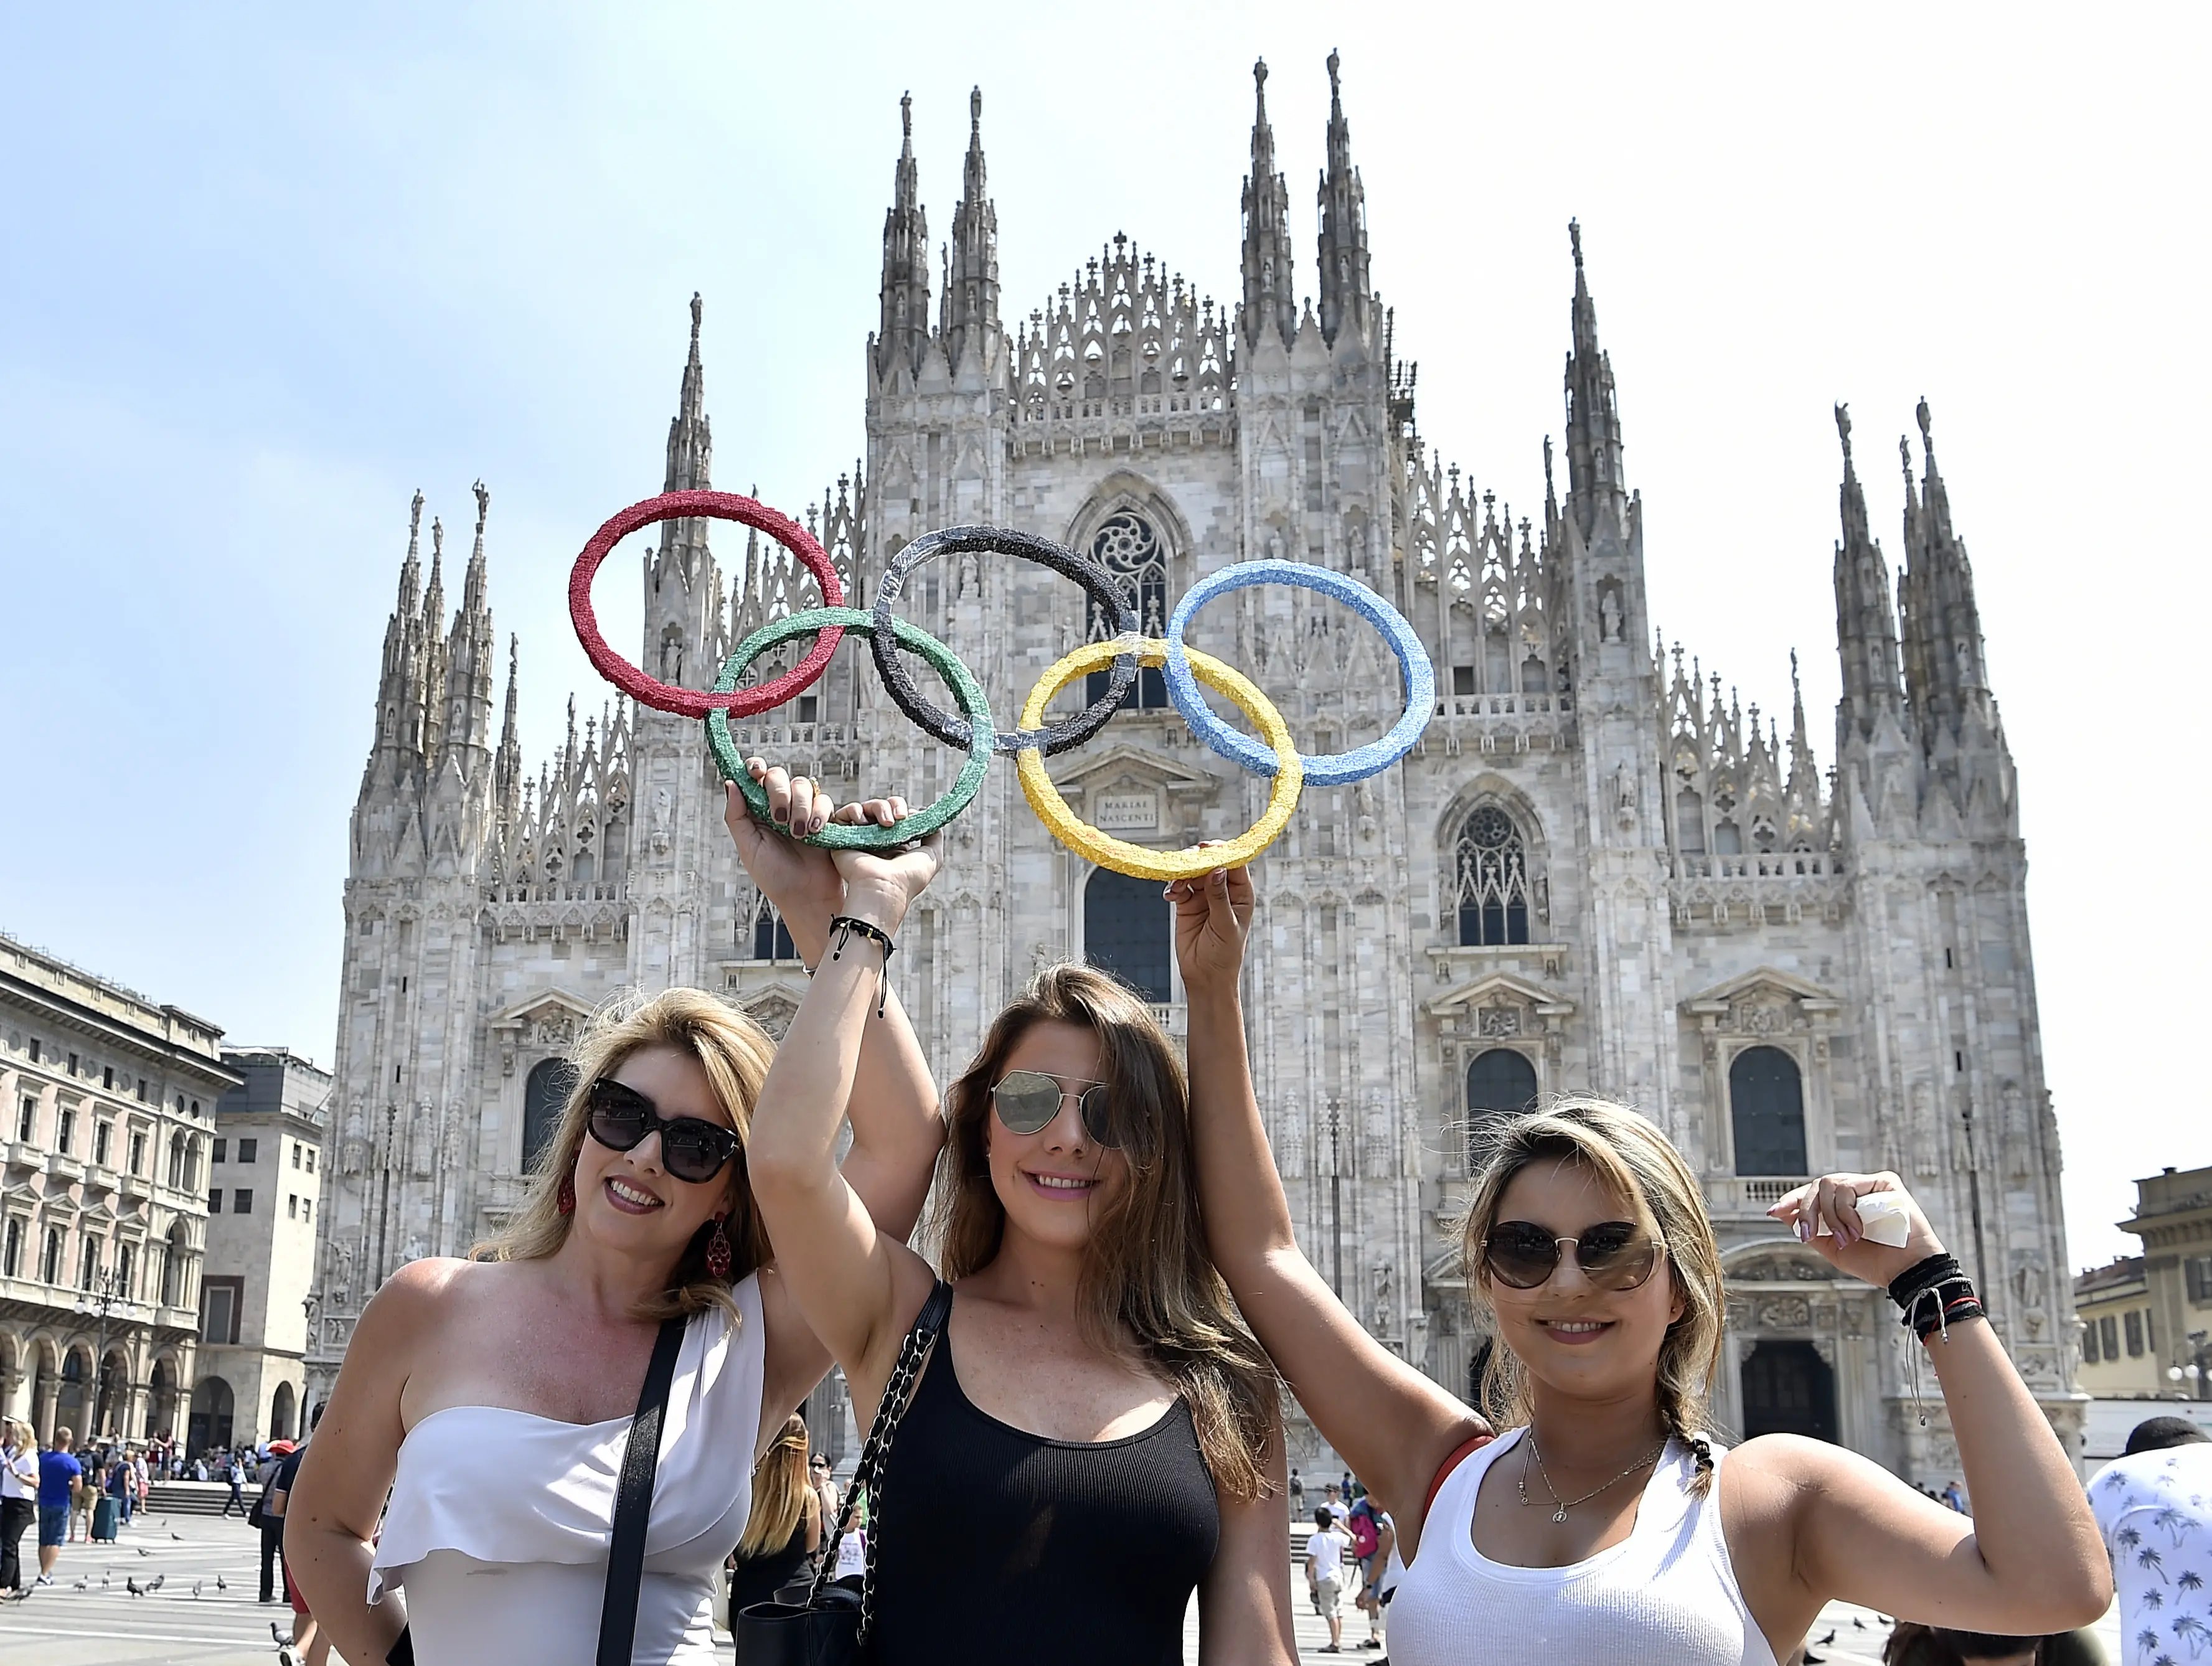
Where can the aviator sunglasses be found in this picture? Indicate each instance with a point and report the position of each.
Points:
(1028, 1100)
(1614, 1255)
(690, 1148)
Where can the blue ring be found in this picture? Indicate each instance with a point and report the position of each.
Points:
(1361, 762)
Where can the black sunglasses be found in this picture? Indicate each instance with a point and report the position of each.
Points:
(690, 1148)
(1614, 1255)
(1028, 1100)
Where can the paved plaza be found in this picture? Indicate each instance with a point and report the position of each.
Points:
(103, 1624)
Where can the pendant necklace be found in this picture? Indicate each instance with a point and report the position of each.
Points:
(1559, 1506)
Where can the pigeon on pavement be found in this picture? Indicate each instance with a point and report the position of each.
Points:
(132, 1585)
(178, 1537)
(142, 1551)
(157, 1581)
(196, 1590)
(1829, 1638)
(281, 1639)
(219, 1584)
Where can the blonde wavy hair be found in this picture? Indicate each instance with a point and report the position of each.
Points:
(735, 1052)
(1635, 1162)
(1146, 1274)
(781, 1492)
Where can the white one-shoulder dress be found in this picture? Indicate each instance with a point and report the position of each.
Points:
(498, 1520)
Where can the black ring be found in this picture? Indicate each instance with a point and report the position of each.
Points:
(1096, 582)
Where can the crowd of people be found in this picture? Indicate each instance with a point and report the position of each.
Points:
(1078, 1394)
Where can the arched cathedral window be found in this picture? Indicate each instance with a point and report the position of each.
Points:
(1767, 1111)
(1127, 928)
(1490, 879)
(771, 938)
(1125, 545)
(1500, 1083)
(544, 1094)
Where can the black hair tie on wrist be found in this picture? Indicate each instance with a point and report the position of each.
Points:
(1921, 1275)
(843, 928)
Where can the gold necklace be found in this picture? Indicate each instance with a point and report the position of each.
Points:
(1561, 1506)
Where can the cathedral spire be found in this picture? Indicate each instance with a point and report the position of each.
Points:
(690, 437)
(1866, 631)
(1595, 481)
(506, 765)
(396, 718)
(466, 688)
(1946, 675)
(970, 301)
(1344, 293)
(904, 327)
(1270, 297)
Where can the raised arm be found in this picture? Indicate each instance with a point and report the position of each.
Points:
(855, 1285)
(898, 1126)
(2028, 1560)
(1392, 1426)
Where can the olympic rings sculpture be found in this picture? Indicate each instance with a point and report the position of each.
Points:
(1184, 668)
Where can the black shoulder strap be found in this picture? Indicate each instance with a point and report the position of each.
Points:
(634, 1500)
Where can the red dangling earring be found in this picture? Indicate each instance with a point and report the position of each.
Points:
(565, 1199)
(717, 1250)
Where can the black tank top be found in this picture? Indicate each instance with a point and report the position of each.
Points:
(1002, 1548)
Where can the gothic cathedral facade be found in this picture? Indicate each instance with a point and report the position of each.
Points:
(1596, 873)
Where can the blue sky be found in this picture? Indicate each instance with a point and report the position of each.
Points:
(267, 270)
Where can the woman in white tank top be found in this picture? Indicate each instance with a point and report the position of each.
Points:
(1606, 1525)
(492, 1398)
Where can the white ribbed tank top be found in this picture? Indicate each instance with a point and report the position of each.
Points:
(1665, 1593)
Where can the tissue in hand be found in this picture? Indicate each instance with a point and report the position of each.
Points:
(1882, 1214)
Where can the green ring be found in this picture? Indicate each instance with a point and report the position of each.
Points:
(840, 836)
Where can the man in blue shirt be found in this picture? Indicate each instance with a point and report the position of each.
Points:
(58, 1475)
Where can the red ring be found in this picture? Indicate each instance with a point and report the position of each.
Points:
(711, 506)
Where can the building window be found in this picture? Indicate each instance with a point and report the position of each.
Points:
(143, 1099)
(219, 1309)
(311, 1159)
(222, 1151)
(26, 1120)
(103, 1135)
(1500, 1083)
(2131, 1321)
(307, 1208)
(292, 1206)
(122, 1270)
(72, 1069)
(137, 1151)
(248, 1150)
(34, 1050)
(297, 1149)
(1127, 546)
(107, 1078)
(1490, 879)
(2198, 1270)
(67, 1137)
(11, 1262)
(2108, 1332)
(50, 1268)
(215, 1202)
(241, 1201)
(88, 1264)
(177, 1161)
(545, 1094)
(1128, 930)
(1766, 1105)
(2089, 1354)
(771, 937)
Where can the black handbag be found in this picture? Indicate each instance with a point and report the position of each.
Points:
(831, 1627)
(633, 1507)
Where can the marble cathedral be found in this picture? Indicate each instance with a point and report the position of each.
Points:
(1597, 871)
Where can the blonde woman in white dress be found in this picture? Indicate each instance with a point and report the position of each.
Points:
(491, 1399)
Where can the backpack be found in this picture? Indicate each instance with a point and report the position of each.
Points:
(1365, 1539)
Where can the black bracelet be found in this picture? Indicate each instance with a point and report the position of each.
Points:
(843, 928)
(1939, 1305)
(1921, 1275)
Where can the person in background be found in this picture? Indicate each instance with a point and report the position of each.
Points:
(1327, 1552)
(825, 1490)
(233, 1471)
(784, 1529)
(19, 1499)
(1912, 1644)
(60, 1476)
(1954, 1497)
(853, 1547)
(311, 1639)
(1298, 1496)
(83, 1493)
(271, 1522)
(2154, 1506)
(1374, 1569)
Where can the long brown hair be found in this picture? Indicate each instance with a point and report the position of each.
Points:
(1633, 1159)
(735, 1053)
(781, 1492)
(1148, 1287)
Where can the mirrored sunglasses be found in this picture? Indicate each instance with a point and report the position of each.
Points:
(690, 1148)
(1026, 1101)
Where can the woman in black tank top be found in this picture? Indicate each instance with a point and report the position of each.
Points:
(1095, 1435)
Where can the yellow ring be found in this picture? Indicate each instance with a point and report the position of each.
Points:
(1137, 860)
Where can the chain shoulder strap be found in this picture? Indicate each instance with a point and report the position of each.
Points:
(866, 1474)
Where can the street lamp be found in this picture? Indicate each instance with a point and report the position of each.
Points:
(99, 1302)
(2197, 1373)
